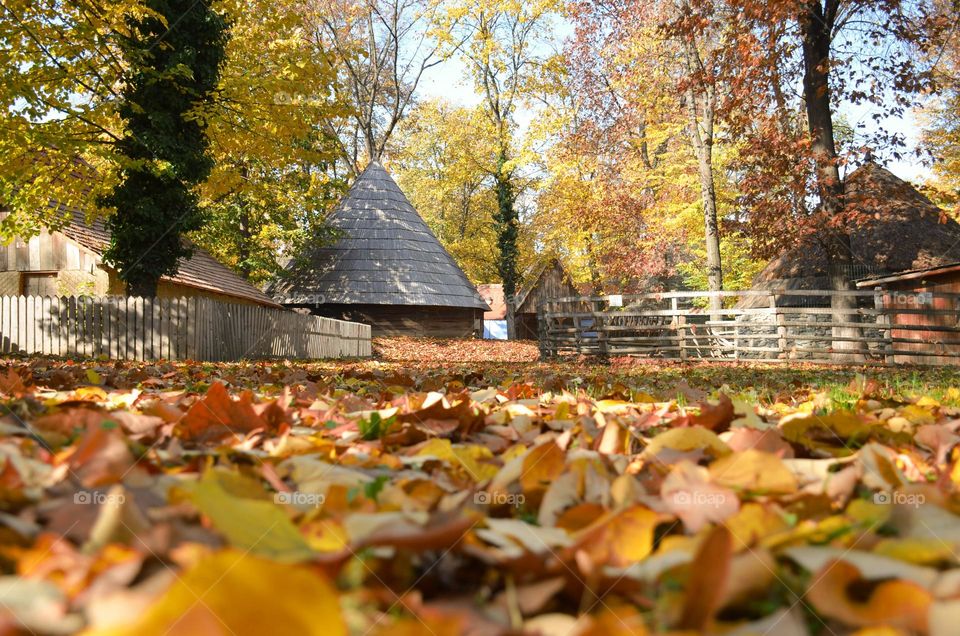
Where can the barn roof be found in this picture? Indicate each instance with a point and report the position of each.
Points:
(535, 279)
(386, 255)
(200, 271)
(910, 274)
(903, 231)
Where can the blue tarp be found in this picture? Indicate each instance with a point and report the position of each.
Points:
(495, 329)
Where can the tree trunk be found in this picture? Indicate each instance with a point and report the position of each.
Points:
(816, 26)
(245, 232)
(507, 226)
(143, 288)
(243, 246)
(700, 125)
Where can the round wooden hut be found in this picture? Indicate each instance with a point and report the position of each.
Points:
(387, 269)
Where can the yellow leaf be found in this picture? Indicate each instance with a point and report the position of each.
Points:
(620, 539)
(918, 415)
(918, 551)
(755, 471)
(237, 594)
(238, 508)
(753, 523)
(687, 439)
(470, 457)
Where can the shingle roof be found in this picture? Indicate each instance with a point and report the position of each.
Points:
(201, 271)
(386, 255)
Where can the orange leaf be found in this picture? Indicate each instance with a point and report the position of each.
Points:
(541, 466)
(217, 416)
(840, 592)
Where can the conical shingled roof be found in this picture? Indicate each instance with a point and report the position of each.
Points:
(386, 256)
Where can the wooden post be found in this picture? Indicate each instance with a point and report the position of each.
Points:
(599, 324)
(542, 329)
(680, 322)
(780, 320)
(883, 320)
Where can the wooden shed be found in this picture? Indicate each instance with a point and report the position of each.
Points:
(69, 262)
(551, 281)
(387, 269)
(904, 294)
(903, 231)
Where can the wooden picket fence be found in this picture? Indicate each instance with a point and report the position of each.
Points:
(134, 328)
(885, 327)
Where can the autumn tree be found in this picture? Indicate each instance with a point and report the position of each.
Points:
(636, 144)
(502, 45)
(58, 90)
(941, 137)
(838, 51)
(443, 156)
(273, 178)
(381, 48)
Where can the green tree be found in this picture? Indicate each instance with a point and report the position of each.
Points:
(443, 156)
(502, 44)
(174, 60)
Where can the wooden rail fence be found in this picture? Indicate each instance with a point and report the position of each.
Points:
(134, 328)
(885, 327)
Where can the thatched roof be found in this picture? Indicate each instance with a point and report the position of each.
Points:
(386, 256)
(904, 231)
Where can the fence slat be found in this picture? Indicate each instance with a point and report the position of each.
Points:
(121, 327)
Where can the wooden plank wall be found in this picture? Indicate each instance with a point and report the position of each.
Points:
(795, 325)
(133, 328)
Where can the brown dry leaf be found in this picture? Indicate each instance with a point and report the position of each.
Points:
(13, 384)
(707, 582)
(715, 417)
(688, 493)
(102, 456)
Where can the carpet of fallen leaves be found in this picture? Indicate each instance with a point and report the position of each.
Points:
(439, 350)
(387, 498)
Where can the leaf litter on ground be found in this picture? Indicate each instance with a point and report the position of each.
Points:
(477, 498)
